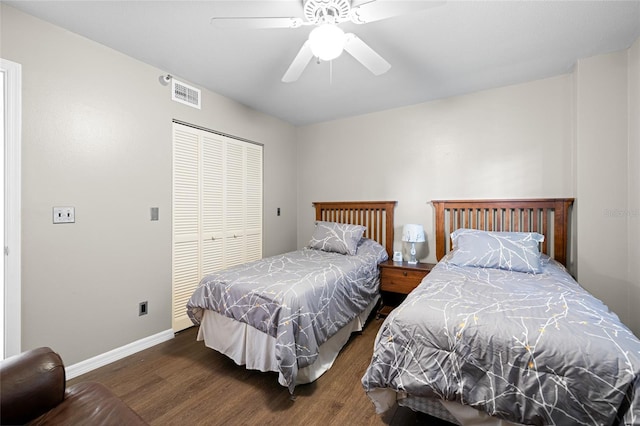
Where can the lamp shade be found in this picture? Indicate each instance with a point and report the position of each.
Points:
(327, 41)
(413, 233)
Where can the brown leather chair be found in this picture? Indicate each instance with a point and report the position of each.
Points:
(33, 390)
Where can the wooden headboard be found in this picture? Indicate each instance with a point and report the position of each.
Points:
(547, 216)
(377, 216)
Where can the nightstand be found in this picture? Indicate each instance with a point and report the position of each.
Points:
(397, 279)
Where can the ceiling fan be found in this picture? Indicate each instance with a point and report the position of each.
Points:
(327, 40)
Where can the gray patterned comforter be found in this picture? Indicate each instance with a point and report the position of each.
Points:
(301, 298)
(532, 349)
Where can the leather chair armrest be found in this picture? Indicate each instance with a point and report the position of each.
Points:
(31, 383)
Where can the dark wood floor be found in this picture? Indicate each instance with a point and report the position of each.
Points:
(183, 382)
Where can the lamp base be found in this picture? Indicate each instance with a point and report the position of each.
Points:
(412, 260)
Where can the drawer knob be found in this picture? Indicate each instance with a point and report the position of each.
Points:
(404, 273)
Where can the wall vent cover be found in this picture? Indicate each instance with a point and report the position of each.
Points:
(185, 94)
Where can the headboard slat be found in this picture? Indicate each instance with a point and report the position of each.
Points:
(506, 215)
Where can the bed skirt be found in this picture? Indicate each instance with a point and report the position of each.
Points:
(256, 350)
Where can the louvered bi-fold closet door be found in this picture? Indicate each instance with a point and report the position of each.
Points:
(243, 203)
(234, 204)
(253, 202)
(186, 222)
(212, 203)
(217, 204)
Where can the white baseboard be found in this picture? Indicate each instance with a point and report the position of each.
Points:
(98, 361)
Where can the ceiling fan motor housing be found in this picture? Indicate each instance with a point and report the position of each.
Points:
(326, 11)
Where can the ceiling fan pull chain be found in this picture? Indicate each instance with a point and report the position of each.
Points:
(331, 73)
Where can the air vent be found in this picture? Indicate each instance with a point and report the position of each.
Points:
(185, 94)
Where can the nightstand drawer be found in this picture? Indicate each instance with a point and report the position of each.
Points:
(400, 280)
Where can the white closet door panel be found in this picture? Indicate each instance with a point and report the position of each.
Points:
(185, 279)
(212, 187)
(186, 222)
(253, 196)
(234, 187)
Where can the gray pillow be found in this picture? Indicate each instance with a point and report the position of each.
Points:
(336, 237)
(512, 251)
(371, 248)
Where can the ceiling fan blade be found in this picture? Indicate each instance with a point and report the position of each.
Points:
(256, 23)
(299, 63)
(366, 55)
(376, 10)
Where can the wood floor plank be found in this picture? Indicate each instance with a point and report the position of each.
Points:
(182, 382)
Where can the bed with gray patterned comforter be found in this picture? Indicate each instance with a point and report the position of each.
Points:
(301, 298)
(528, 348)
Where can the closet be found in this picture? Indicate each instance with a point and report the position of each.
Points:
(217, 209)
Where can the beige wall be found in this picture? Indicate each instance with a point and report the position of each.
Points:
(604, 182)
(97, 136)
(509, 142)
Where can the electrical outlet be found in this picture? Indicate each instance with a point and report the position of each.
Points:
(143, 308)
(64, 215)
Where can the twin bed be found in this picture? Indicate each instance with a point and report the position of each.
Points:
(497, 333)
(292, 313)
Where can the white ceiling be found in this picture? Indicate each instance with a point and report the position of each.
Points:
(450, 48)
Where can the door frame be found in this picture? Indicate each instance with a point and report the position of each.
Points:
(12, 309)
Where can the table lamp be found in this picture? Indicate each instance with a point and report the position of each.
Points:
(413, 234)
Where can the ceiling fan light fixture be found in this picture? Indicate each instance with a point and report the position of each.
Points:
(327, 41)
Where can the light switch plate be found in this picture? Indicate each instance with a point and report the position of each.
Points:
(64, 215)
